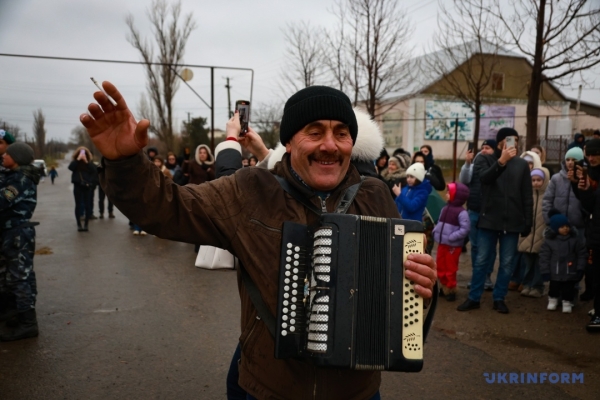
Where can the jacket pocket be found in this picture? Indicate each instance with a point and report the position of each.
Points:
(248, 337)
(264, 227)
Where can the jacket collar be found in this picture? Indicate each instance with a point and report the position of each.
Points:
(284, 169)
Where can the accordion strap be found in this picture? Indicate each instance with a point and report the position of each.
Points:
(261, 308)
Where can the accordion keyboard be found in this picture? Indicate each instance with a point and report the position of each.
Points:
(412, 339)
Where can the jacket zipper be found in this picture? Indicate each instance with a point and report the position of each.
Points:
(265, 226)
(324, 204)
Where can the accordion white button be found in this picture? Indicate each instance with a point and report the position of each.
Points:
(296, 263)
(296, 256)
(286, 288)
(294, 285)
(284, 333)
(288, 259)
(284, 325)
(292, 329)
(292, 321)
(286, 280)
(289, 245)
(284, 318)
(297, 248)
(288, 273)
(295, 270)
(293, 307)
(285, 310)
(293, 314)
(290, 252)
(294, 292)
(294, 299)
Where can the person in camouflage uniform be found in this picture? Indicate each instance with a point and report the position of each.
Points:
(6, 139)
(18, 199)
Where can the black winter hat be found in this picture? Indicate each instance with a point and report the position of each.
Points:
(490, 142)
(21, 153)
(592, 147)
(504, 132)
(312, 104)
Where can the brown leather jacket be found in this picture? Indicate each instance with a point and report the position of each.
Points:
(244, 214)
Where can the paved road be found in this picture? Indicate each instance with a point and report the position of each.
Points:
(130, 317)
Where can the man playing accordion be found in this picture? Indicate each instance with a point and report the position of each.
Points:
(244, 214)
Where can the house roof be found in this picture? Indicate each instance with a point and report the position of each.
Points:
(427, 75)
(585, 106)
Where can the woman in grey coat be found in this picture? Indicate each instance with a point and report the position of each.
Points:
(559, 195)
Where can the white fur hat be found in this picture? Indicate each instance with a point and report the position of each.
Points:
(417, 170)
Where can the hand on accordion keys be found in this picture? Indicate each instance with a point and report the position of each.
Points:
(421, 269)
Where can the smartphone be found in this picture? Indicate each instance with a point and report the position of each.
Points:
(510, 141)
(82, 152)
(471, 146)
(243, 108)
(584, 168)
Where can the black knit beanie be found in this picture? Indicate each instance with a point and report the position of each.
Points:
(504, 132)
(592, 147)
(21, 153)
(316, 103)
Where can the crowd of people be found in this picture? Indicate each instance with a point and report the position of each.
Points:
(539, 223)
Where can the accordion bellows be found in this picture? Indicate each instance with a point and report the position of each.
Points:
(344, 300)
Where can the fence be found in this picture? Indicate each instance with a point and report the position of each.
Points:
(555, 147)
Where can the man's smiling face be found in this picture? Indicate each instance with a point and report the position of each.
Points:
(320, 153)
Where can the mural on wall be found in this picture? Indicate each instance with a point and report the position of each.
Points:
(441, 119)
(392, 129)
(493, 118)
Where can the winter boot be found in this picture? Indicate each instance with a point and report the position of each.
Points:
(27, 327)
(85, 226)
(451, 294)
(79, 227)
(7, 307)
(552, 304)
(567, 307)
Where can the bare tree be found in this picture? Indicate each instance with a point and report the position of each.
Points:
(468, 60)
(560, 38)
(12, 128)
(170, 36)
(39, 132)
(378, 36)
(304, 53)
(265, 121)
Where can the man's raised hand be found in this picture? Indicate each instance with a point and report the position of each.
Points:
(113, 129)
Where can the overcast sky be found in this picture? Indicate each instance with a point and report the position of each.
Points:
(231, 33)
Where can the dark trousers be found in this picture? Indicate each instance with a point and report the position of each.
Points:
(593, 267)
(101, 196)
(564, 289)
(83, 202)
(17, 277)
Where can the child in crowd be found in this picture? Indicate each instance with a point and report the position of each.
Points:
(412, 199)
(18, 199)
(159, 162)
(562, 261)
(450, 232)
(529, 246)
(53, 174)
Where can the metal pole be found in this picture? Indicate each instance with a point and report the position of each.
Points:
(547, 126)
(212, 109)
(454, 155)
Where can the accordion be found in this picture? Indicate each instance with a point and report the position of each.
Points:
(344, 300)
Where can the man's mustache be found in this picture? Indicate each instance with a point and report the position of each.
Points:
(319, 156)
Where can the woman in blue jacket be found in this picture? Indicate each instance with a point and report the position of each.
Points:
(412, 199)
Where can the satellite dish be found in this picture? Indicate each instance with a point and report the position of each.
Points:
(187, 74)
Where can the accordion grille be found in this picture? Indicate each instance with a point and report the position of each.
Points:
(372, 278)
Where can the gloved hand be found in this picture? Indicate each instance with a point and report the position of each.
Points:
(546, 277)
(526, 232)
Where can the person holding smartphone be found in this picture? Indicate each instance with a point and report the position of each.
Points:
(506, 213)
(587, 189)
